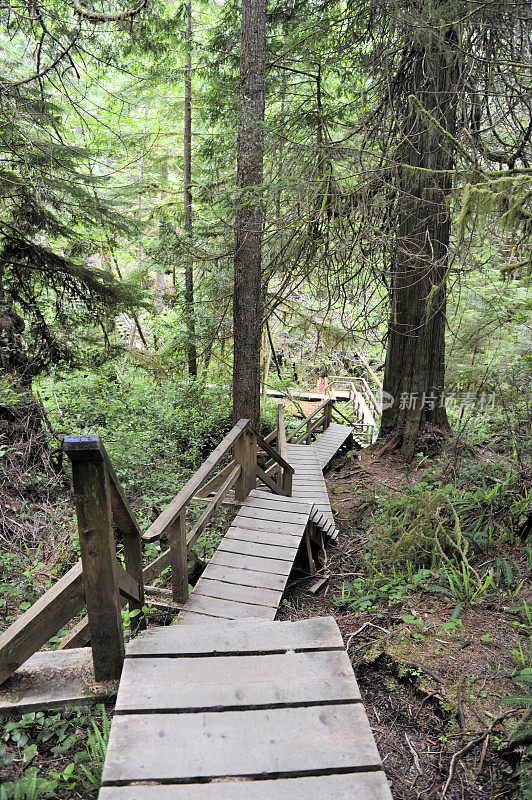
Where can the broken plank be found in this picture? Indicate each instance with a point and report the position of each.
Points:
(351, 786)
(238, 636)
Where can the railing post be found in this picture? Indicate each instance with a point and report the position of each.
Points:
(328, 414)
(309, 431)
(284, 474)
(98, 555)
(178, 557)
(245, 453)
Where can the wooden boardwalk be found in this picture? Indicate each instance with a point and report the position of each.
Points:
(241, 710)
(247, 575)
(228, 704)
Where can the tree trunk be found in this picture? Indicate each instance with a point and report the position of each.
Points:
(187, 200)
(415, 360)
(248, 297)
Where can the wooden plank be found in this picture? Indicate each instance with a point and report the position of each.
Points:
(259, 499)
(230, 682)
(321, 633)
(53, 678)
(248, 523)
(194, 746)
(127, 586)
(229, 609)
(195, 618)
(39, 623)
(242, 594)
(174, 508)
(274, 565)
(351, 786)
(251, 512)
(264, 537)
(265, 551)
(245, 577)
(270, 451)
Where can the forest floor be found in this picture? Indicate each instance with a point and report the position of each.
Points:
(431, 681)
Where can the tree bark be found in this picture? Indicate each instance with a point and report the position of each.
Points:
(415, 360)
(192, 358)
(248, 296)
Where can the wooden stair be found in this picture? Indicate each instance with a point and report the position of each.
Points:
(228, 704)
(331, 441)
(243, 709)
(247, 574)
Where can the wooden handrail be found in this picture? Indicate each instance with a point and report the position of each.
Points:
(268, 449)
(180, 501)
(213, 506)
(281, 432)
(305, 421)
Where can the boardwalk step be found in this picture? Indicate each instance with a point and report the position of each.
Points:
(205, 745)
(208, 684)
(237, 636)
(352, 786)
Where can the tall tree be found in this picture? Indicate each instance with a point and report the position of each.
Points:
(248, 294)
(450, 93)
(415, 361)
(187, 198)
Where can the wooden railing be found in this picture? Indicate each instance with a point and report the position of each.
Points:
(98, 581)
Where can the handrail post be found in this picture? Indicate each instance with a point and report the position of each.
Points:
(328, 414)
(92, 495)
(285, 474)
(309, 431)
(178, 557)
(245, 454)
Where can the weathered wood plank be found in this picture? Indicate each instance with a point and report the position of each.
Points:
(53, 678)
(353, 786)
(238, 637)
(263, 537)
(192, 746)
(250, 523)
(242, 594)
(273, 516)
(260, 499)
(274, 565)
(228, 608)
(260, 550)
(39, 623)
(176, 685)
(245, 577)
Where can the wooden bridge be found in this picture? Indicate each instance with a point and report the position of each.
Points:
(225, 703)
